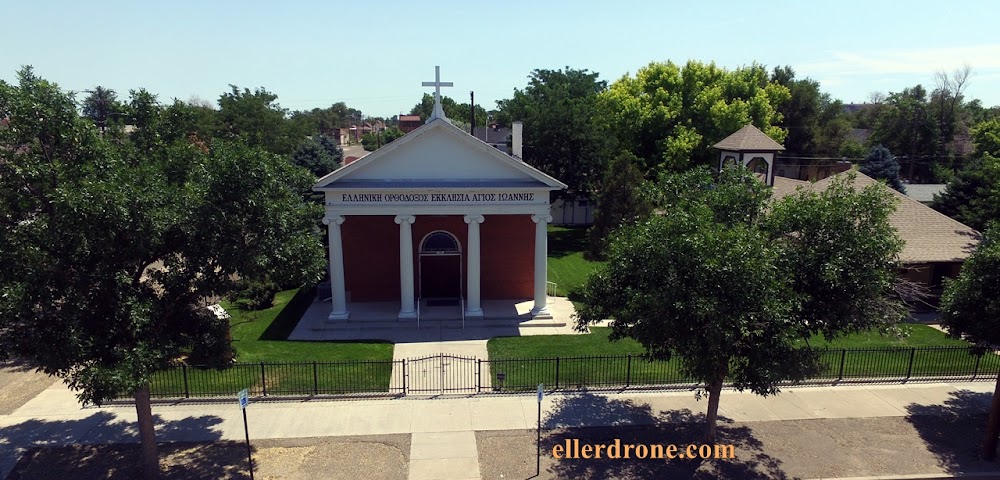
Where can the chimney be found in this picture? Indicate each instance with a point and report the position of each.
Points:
(515, 140)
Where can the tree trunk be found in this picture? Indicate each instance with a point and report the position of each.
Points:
(992, 426)
(714, 392)
(147, 434)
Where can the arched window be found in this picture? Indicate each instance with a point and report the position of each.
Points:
(439, 243)
(729, 161)
(758, 165)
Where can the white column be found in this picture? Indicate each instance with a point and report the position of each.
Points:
(406, 307)
(541, 264)
(337, 288)
(472, 278)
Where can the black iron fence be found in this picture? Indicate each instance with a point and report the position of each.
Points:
(449, 374)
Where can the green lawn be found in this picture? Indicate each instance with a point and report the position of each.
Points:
(567, 266)
(307, 367)
(507, 355)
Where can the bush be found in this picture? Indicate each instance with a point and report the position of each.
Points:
(257, 295)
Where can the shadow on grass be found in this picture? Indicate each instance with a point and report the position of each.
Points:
(567, 241)
(104, 446)
(680, 427)
(288, 317)
(954, 431)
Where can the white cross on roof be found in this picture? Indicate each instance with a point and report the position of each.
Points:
(437, 84)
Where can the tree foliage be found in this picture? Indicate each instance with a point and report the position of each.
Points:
(670, 116)
(816, 123)
(970, 309)
(973, 195)
(986, 138)
(881, 165)
(101, 106)
(564, 133)
(373, 141)
(110, 252)
(620, 201)
(257, 119)
(452, 109)
(320, 155)
(729, 281)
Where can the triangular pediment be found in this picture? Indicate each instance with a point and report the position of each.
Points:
(439, 154)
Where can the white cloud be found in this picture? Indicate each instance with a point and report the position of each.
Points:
(984, 60)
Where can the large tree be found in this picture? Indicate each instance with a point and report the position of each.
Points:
(621, 200)
(731, 282)
(816, 123)
(970, 309)
(973, 195)
(564, 133)
(256, 118)
(459, 112)
(907, 126)
(107, 260)
(101, 105)
(670, 116)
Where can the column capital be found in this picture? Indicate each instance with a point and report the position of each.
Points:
(338, 219)
(405, 218)
(474, 217)
(541, 218)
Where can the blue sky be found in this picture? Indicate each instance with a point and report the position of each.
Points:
(373, 55)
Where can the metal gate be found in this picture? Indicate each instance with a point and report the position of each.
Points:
(440, 374)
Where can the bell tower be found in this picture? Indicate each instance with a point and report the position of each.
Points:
(752, 149)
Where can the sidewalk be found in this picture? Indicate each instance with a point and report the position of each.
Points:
(55, 418)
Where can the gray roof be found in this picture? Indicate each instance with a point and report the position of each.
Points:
(491, 135)
(924, 192)
(749, 138)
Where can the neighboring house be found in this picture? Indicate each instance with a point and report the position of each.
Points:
(924, 192)
(495, 136)
(409, 123)
(935, 244)
(343, 136)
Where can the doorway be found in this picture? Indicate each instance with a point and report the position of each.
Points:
(440, 268)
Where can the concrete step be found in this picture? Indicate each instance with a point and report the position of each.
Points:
(454, 323)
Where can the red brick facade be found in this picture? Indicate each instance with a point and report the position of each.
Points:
(371, 256)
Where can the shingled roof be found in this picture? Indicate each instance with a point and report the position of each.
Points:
(930, 236)
(748, 138)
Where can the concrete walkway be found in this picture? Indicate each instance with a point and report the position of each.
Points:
(443, 445)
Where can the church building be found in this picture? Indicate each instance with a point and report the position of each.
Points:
(437, 216)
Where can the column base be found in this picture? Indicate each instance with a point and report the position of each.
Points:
(541, 313)
(339, 315)
(406, 315)
(478, 313)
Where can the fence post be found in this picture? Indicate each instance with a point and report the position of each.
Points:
(843, 357)
(187, 391)
(975, 370)
(628, 372)
(479, 375)
(315, 378)
(909, 370)
(263, 380)
(404, 376)
(557, 373)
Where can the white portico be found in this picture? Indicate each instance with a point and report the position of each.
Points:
(438, 215)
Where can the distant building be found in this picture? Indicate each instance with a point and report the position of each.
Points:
(496, 136)
(409, 123)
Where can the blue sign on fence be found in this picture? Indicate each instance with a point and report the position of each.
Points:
(244, 398)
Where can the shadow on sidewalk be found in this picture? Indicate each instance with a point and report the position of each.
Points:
(680, 427)
(954, 431)
(105, 446)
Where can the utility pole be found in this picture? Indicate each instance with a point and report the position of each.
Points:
(472, 113)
